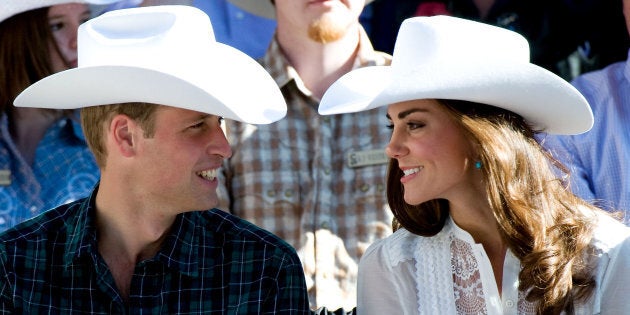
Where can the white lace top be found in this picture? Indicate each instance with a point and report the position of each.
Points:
(450, 274)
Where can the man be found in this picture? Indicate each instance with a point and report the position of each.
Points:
(140, 242)
(317, 182)
(599, 158)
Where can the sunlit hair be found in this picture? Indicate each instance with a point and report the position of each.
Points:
(95, 122)
(544, 225)
(24, 54)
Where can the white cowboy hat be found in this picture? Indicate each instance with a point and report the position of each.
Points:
(262, 8)
(10, 8)
(163, 55)
(444, 57)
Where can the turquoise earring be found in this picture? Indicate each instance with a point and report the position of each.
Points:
(478, 165)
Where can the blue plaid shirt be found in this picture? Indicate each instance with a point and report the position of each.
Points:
(210, 263)
(64, 170)
(599, 159)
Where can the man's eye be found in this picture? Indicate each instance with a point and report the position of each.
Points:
(197, 125)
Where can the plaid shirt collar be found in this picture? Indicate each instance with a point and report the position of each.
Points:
(175, 252)
(276, 63)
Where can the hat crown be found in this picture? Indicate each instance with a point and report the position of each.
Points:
(168, 41)
(443, 40)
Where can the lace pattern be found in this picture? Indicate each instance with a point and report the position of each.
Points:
(467, 284)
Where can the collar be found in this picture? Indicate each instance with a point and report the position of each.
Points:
(276, 63)
(179, 251)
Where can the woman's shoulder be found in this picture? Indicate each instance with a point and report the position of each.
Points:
(611, 234)
(403, 246)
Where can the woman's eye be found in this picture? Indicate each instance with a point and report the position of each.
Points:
(390, 126)
(413, 126)
(56, 26)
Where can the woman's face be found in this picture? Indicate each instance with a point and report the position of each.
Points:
(64, 21)
(433, 152)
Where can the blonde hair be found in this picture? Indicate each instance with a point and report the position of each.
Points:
(547, 227)
(95, 121)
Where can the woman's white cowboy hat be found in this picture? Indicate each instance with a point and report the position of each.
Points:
(444, 57)
(164, 55)
(9, 8)
(262, 8)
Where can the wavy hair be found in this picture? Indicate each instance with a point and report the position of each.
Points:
(547, 227)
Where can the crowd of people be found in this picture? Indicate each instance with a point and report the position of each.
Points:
(300, 157)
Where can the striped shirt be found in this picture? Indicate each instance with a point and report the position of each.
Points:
(600, 158)
(316, 181)
(64, 170)
(210, 263)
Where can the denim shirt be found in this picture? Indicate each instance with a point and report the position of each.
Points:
(64, 170)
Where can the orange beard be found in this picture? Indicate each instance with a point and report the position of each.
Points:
(326, 30)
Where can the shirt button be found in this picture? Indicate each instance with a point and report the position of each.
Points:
(288, 193)
(33, 209)
(240, 15)
(380, 187)
(271, 193)
(364, 187)
(509, 303)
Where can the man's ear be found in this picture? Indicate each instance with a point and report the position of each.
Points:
(121, 135)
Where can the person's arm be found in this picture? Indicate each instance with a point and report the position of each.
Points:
(563, 149)
(615, 283)
(378, 287)
(6, 292)
(292, 296)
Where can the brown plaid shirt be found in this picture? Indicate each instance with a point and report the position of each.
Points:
(303, 179)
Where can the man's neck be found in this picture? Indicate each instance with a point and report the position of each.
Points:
(319, 65)
(127, 232)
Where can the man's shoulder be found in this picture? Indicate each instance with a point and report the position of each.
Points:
(600, 83)
(236, 229)
(40, 227)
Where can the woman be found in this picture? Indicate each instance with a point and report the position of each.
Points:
(485, 224)
(44, 160)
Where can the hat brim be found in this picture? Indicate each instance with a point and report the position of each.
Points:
(14, 7)
(546, 101)
(262, 8)
(226, 86)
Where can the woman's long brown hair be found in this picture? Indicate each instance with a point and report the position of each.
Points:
(543, 223)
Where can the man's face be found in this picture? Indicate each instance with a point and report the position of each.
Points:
(322, 20)
(180, 163)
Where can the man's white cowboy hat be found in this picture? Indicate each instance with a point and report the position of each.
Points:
(163, 55)
(9, 8)
(444, 57)
(262, 8)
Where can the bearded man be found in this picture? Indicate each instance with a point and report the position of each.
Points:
(317, 182)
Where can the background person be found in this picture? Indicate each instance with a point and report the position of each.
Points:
(317, 182)
(44, 160)
(598, 159)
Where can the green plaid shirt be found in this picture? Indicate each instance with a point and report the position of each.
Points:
(211, 263)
